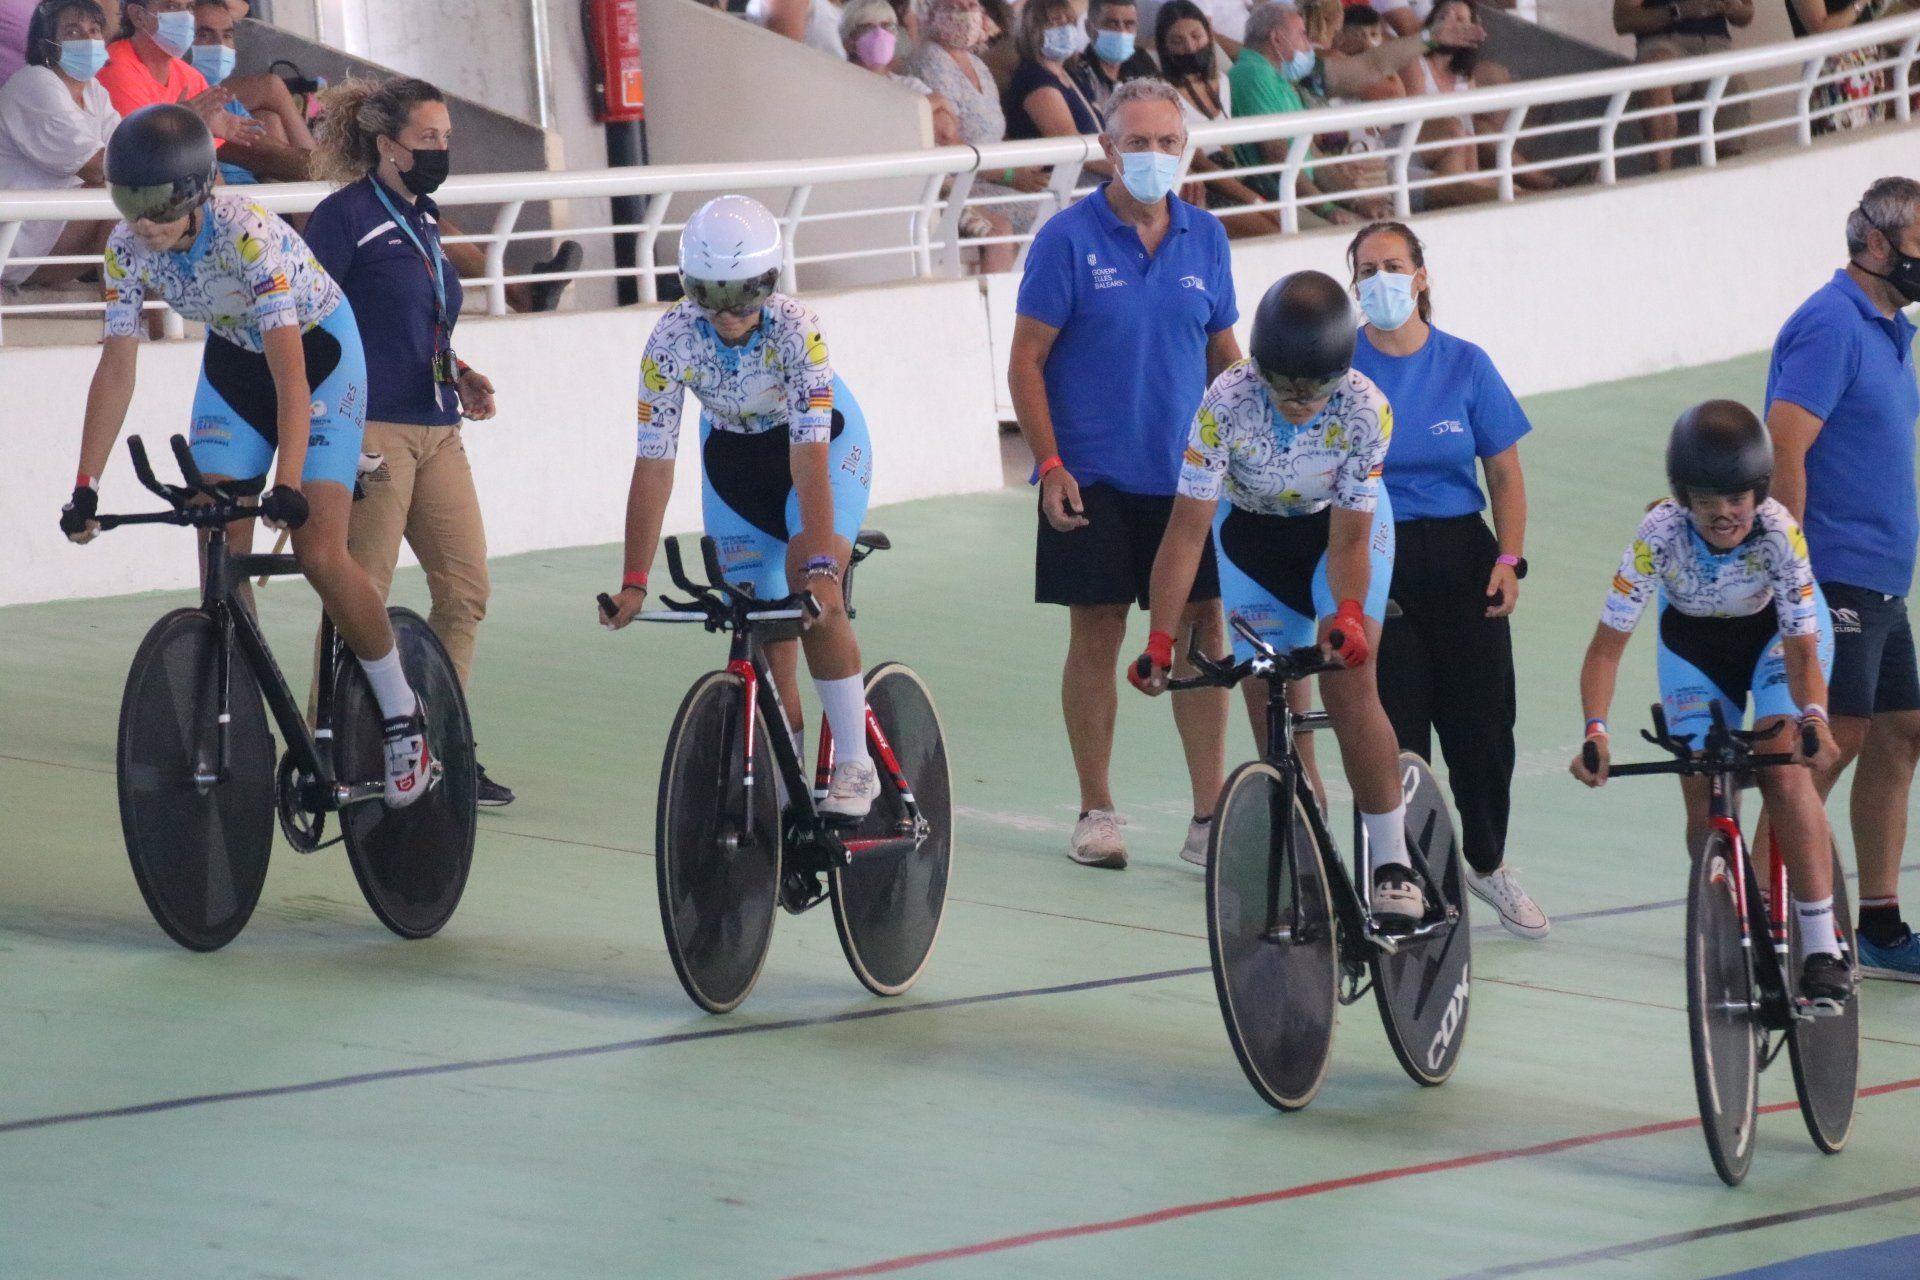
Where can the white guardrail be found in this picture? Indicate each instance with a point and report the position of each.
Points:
(927, 240)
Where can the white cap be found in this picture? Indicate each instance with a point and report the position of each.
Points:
(730, 238)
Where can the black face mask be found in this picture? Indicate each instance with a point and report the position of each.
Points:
(1904, 275)
(1197, 66)
(428, 172)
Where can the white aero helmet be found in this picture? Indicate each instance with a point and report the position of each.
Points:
(730, 254)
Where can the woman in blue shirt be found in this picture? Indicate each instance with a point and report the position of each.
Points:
(379, 236)
(1446, 663)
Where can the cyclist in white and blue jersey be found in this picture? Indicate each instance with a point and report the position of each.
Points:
(1295, 439)
(1738, 612)
(282, 373)
(786, 462)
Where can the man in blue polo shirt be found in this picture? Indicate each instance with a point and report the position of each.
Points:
(1841, 404)
(1126, 313)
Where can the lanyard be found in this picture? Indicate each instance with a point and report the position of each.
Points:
(436, 261)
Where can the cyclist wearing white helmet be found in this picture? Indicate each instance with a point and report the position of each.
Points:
(786, 462)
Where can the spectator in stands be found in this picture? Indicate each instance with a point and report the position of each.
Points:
(379, 237)
(1110, 357)
(1847, 80)
(1841, 406)
(1185, 46)
(815, 23)
(1360, 31)
(1662, 31)
(1043, 101)
(1112, 54)
(144, 67)
(1406, 17)
(54, 123)
(998, 22)
(284, 152)
(1227, 19)
(1449, 68)
(870, 29)
(948, 65)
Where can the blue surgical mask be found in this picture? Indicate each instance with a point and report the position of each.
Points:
(1387, 299)
(1113, 46)
(214, 61)
(1059, 43)
(1149, 175)
(1299, 66)
(82, 59)
(174, 33)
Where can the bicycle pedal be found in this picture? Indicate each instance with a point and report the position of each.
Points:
(801, 891)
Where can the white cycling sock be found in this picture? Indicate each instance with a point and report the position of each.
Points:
(845, 702)
(390, 687)
(1816, 926)
(1386, 838)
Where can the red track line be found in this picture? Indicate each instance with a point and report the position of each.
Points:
(1156, 1216)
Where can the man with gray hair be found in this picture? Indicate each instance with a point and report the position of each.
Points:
(1125, 313)
(1841, 403)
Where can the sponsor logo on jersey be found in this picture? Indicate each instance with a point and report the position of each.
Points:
(275, 283)
(318, 409)
(1193, 282)
(210, 429)
(1107, 278)
(1448, 428)
(318, 440)
(1092, 259)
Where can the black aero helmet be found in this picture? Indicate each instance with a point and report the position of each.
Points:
(1719, 447)
(160, 163)
(1303, 335)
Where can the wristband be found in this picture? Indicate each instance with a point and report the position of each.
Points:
(634, 580)
(1597, 728)
(1160, 649)
(1512, 562)
(85, 481)
(1053, 463)
(823, 566)
(1814, 711)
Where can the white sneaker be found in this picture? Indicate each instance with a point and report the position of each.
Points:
(1097, 841)
(1195, 849)
(411, 768)
(854, 787)
(1520, 915)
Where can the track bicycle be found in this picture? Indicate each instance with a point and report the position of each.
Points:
(1291, 932)
(1744, 957)
(199, 784)
(729, 848)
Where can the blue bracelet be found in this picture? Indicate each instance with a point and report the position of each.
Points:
(1597, 725)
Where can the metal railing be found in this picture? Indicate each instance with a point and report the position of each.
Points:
(1417, 153)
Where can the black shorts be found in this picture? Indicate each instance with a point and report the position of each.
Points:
(1874, 669)
(1110, 560)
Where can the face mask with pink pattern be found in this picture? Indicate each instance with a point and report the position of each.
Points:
(956, 28)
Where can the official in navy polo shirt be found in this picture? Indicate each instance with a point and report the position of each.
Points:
(1446, 662)
(1841, 404)
(1125, 314)
(379, 237)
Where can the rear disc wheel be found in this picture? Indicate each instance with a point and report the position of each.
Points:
(888, 906)
(1425, 988)
(1826, 1051)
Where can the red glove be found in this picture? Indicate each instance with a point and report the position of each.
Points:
(1348, 639)
(1158, 657)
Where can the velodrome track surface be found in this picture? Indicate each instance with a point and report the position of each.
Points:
(531, 1094)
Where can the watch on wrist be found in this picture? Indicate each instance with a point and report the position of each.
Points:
(1517, 563)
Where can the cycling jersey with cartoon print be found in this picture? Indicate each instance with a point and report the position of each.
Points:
(246, 272)
(1243, 449)
(778, 378)
(1668, 554)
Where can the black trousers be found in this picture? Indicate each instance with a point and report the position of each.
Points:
(1447, 668)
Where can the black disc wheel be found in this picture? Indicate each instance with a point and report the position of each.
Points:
(1723, 1018)
(198, 845)
(1826, 1051)
(411, 863)
(717, 845)
(1271, 930)
(1424, 989)
(888, 905)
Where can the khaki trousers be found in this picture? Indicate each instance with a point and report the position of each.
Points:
(423, 492)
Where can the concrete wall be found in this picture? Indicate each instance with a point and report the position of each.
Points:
(784, 101)
(1596, 284)
(552, 469)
